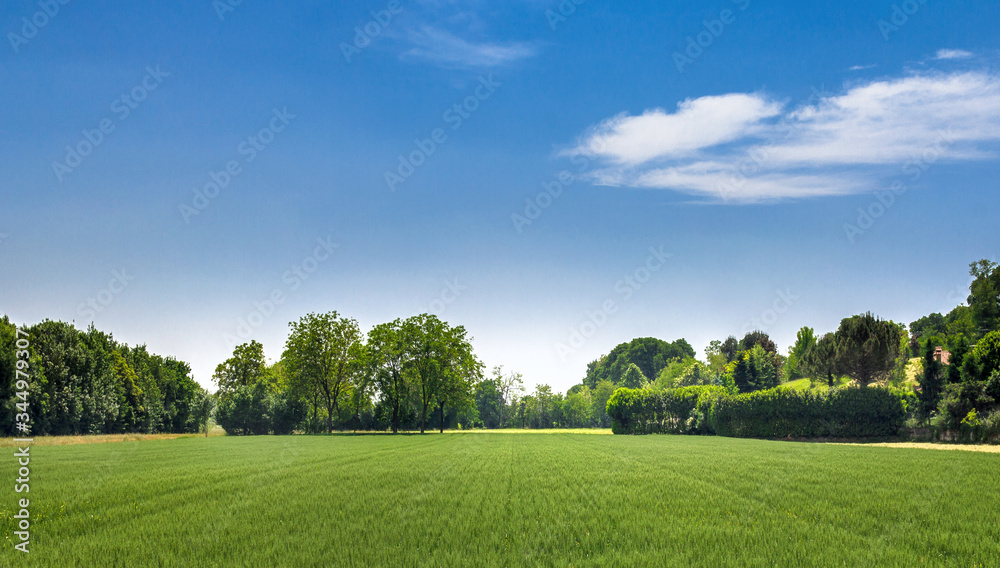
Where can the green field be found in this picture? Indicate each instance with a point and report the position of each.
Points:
(498, 499)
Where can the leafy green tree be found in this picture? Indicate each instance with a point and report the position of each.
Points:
(671, 375)
(992, 388)
(925, 328)
(510, 386)
(649, 354)
(425, 341)
(246, 367)
(320, 354)
(245, 410)
(131, 396)
(959, 321)
(754, 338)
(730, 348)
(867, 348)
(805, 339)
(696, 374)
(633, 377)
(388, 356)
(541, 408)
(599, 399)
(717, 361)
(84, 382)
(984, 295)
(984, 359)
(287, 412)
(576, 409)
(488, 402)
(460, 370)
(820, 361)
(201, 411)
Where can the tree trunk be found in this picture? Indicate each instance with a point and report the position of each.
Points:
(395, 415)
(441, 413)
(315, 409)
(423, 417)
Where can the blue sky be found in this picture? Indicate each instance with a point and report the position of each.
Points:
(704, 165)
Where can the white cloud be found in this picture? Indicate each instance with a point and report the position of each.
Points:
(862, 67)
(952, 54)
(842, 144)
(698, 123)
(445, 48)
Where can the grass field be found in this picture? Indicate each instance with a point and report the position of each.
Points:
(498, 499)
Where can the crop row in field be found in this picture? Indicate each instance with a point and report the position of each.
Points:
(488, 499)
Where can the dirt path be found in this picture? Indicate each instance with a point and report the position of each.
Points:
(930, 446)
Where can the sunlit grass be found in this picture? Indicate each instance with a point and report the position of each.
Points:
(495, 499)
(816, 385)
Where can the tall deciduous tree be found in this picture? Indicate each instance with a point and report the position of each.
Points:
(441, 361)
(461, 370)
(805, 339)
(510, 386)
(730, 348)
(649, 354)
(388, 358)
(246, 367)
(319, 353)
(984, 295)
(867, 348)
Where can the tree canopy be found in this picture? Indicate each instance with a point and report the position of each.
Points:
(649, 354)
(867, 348)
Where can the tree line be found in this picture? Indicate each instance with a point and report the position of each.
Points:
(956, 395)
(405, 374)
(420, 373)
(85, 382)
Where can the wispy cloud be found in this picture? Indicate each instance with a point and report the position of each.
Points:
(841, 144)
(442, 47)
(456, 34)
(862, 67)
(952, 54)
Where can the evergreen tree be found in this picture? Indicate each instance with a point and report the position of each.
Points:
(931, 381)
(633, 377)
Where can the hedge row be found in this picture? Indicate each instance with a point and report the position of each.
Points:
(773, 413)
(673, 411)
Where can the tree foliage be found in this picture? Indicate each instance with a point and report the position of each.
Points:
(867, 348)
(984, 295)
(321, 354)
(633, 378)
(85, 382)
(932, 381)
(649, 354)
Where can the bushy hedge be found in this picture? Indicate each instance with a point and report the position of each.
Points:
(782, 413)
(773, 413)
(673, 411)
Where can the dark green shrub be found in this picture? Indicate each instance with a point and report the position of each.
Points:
(674, 411)
(782, 413)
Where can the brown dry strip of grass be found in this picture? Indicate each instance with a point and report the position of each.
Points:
(103, 438)
(931, 446)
